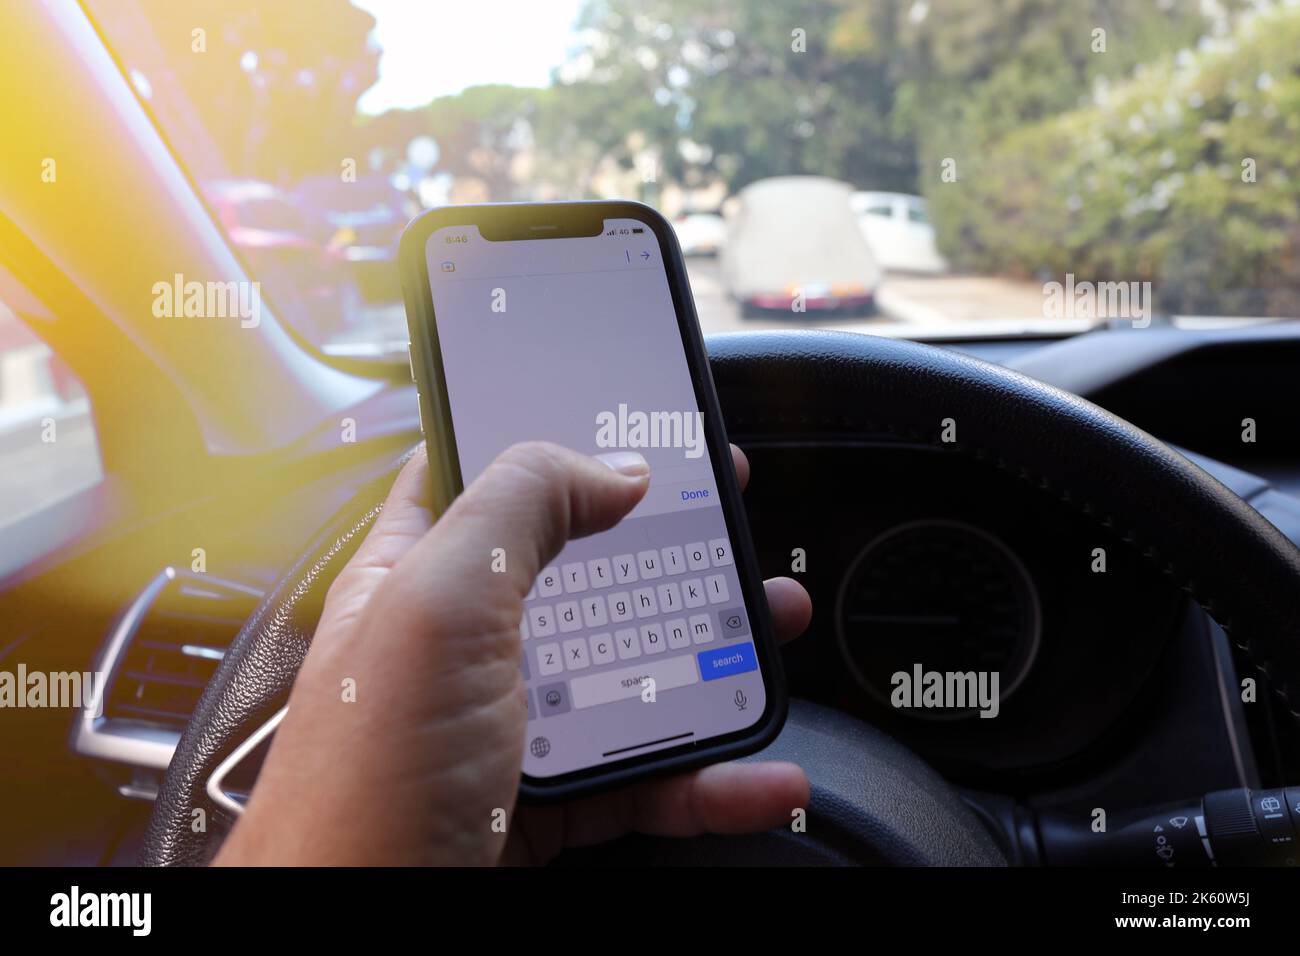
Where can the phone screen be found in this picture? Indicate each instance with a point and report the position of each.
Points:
(638, 639)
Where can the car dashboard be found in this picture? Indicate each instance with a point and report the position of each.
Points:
(1115, 689)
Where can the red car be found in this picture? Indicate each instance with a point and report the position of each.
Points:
(309, 282)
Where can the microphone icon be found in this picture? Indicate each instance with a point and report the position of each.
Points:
(741, 700)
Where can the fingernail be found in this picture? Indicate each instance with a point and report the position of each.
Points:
(630, 463)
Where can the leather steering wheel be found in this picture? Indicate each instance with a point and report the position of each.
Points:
(873, 800)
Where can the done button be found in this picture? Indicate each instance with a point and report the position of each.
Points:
(725, 661)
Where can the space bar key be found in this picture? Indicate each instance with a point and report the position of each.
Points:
(595, 689)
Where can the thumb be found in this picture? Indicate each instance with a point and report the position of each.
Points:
(485, 552)
(441, 735)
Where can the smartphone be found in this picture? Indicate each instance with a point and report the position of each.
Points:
(646, 648)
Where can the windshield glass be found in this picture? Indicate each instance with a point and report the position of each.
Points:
(915, 168)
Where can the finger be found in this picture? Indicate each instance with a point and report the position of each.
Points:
(404, 518)
(742, 466)
(407, 513)
(787, 599)
(725, 798)
(513, 519)
(790, 605)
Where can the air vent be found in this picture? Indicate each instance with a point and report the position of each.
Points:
(157, 660)
(176, 650)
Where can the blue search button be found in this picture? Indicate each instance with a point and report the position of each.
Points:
(726, 661)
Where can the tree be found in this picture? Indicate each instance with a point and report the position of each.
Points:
(969, 72)
(740, 89)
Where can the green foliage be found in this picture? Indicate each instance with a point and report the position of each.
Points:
(989, 66)
(1147, 182)
(763, 88)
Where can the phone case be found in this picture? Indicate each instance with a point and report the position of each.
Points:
(518, 220)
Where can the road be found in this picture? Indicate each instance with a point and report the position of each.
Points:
(906, 305)
(904, 302)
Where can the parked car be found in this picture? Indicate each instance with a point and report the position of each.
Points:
(362, 221)
(898, 230)
(794, 245)
(306, 278)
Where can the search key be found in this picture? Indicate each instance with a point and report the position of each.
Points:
(727, 661)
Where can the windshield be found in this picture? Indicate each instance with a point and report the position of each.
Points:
(956, 168)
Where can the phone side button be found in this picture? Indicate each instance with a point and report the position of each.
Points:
(410, 361)
(419, 407)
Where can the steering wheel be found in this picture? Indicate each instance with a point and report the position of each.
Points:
(873, 800)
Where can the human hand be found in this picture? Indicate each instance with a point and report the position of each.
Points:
(416, 768)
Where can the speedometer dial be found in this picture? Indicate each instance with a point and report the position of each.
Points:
(937, 596)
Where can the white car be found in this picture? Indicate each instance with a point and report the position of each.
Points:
(700, 233)
(897, 227)
(794, 245)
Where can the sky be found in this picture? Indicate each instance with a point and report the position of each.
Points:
(436, 48)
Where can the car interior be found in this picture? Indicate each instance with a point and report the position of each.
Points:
(1107, 516)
